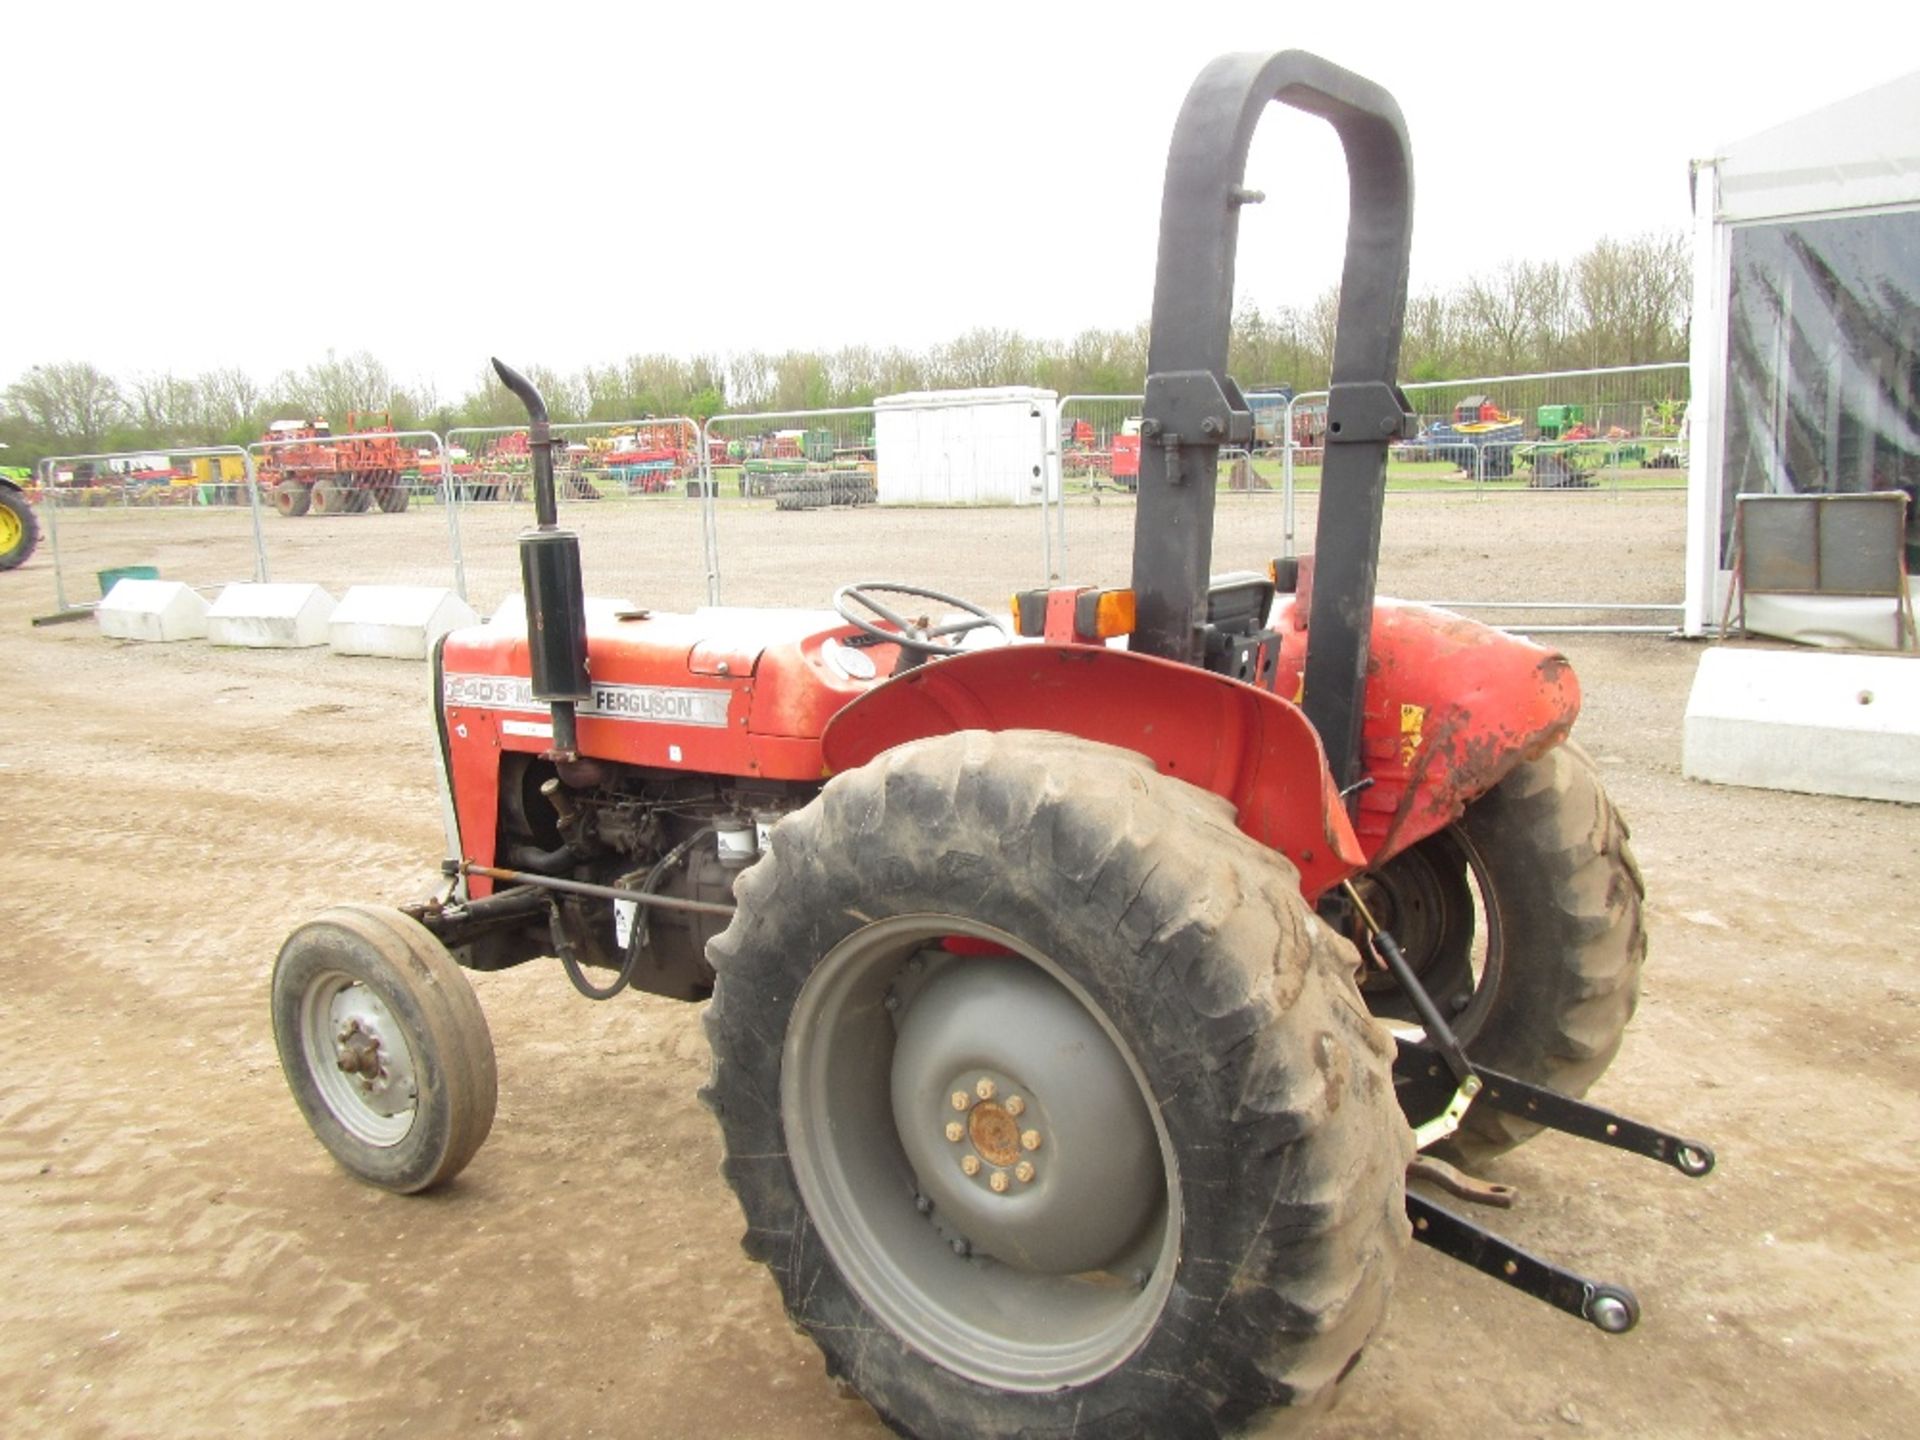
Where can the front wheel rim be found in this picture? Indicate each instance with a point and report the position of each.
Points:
(359, 1059)
(1000, 1311)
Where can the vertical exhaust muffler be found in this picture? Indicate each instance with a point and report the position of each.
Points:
(552, 586)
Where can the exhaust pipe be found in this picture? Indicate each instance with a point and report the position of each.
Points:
(551, 584)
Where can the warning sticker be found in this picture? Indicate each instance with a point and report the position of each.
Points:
(648, 704)
(1413, 725)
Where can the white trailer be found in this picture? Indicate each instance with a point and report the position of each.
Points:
(968, 447)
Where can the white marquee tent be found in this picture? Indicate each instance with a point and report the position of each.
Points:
(1806, 319)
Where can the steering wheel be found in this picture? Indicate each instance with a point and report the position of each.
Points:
(921, 636)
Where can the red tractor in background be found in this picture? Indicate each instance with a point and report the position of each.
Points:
(1075, 1036)
(306, 467)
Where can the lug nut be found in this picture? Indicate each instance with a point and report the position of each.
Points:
(1016, 1105)
(1023, 1172)
(960, 1101)
(970, 1164)
(955, 1131)
(997, 1182)
(1029, 1139)
(984, 1089)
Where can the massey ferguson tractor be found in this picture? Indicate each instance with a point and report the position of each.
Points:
(1096, 1014)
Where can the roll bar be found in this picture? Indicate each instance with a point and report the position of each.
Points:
(1193, 407)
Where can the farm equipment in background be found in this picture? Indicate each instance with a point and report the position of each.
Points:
(1669, 420)
(1126, 455)
(1558, 461)
(450, 473)
(1569, 454)
(1269, 406)
(647, 460)
(1081, 456)
(821, 487)
(1479, 439)
(1074, 1040)
(305, 467)
(19, 526)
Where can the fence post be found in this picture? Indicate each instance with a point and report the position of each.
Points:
(1286, 481)
(451, 501)
(50, 502)
(253, 506)
(709, 510)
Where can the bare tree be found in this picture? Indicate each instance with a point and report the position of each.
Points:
(71, 406)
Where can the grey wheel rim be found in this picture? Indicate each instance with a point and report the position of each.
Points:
(1010, 1214)
(358, 1057)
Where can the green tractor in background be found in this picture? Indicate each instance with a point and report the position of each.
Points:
(19, 527)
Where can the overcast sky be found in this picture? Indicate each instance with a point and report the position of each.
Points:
(195, 185)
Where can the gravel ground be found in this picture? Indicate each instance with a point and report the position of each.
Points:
(188, 1261)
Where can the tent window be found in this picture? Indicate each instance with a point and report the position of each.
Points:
(1823, 361)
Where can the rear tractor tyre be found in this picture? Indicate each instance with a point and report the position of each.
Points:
(1540, 978)
(1046, 1096)
(330, 497)
(292, 499)
(392, 499)
(19, 528)
(384, 1046)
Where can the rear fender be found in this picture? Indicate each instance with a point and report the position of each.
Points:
(1248, 746)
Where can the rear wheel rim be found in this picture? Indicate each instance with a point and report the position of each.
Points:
(1438, 901)
(964, 1265)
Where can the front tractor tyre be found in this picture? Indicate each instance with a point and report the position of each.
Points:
(19, 528)
(384, 1046)
(1524, 922)
(1049, 1102)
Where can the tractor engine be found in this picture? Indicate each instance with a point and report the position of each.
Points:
(661, 832)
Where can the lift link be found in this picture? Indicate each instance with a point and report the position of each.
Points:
(1576, 1117)
(1612, 1308)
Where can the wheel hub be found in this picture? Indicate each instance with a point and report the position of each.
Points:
(1021, 1121)
(372, 1064)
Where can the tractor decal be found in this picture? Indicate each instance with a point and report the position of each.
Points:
(649, 704)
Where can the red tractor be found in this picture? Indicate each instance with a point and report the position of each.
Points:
(1075, 1036)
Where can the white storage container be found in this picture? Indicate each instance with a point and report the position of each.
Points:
(968, 447)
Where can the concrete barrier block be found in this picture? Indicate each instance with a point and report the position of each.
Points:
(270, 617)
(152, 610)
(1817, 723)
(399, 622)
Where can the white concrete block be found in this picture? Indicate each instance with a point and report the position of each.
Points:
(512, 611)
(1802, 720)
(152, 610)
(400, 622)
(270, 617)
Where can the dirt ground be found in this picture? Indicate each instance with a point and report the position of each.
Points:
(187, 1261)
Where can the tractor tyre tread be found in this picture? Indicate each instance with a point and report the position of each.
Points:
(1571, 910)
(21, 509)
(1239, 1004)
(291, 498)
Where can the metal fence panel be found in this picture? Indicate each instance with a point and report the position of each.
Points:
(190, 514)
(631, 489)
(1543, 525)
(804, 501)
(358, 508)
